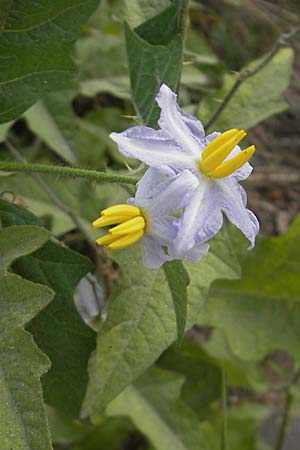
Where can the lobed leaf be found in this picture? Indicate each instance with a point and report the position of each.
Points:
(261, 312)
(23, 423)
(58, 329)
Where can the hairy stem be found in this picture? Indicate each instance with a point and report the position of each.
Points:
(286, 414)
(65, 171)
(52, 196)
(100, 258)
(249, 72)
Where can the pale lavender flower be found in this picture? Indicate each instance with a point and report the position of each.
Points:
(216, 162)
(149, 216)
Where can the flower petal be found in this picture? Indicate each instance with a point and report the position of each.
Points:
(243, 172)
(164, 230)
(147, 186)
(232, 200)
(201, 219)
(153, 254)
(153, 147)
(186, 130)
(172, 194)
(196, 253)
(195, 126)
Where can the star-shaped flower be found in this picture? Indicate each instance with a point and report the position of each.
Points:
(148, 216)
(216, 162)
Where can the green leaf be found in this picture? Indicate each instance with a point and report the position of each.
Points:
(118, 86)
(65, 430)
(53, 120)
(112, 434)
(149, 67)
(23, 423)
(178, 279)
(101, 60)
(141, 321)
(160, 29)
(35, 41)
(254, 311)
(58, 329)
(202, 375)
(153, 404)
(240, 373)
(19, 241)
(258, 98)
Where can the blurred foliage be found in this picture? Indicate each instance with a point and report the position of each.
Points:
(258, 98)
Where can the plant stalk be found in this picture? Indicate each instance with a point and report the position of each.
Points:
(65, 171)
(286, 414)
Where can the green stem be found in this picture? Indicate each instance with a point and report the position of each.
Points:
(183, 26)
(65, 171)
(286, 414)
(224, 444)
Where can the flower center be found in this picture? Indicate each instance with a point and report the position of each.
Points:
(130, 228)
(212, 159)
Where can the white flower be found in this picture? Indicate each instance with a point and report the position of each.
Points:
(216, 162)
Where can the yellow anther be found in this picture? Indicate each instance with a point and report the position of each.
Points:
(131, 226)
(105, 240)
(215, 158)
(219, 140)
(126, 241)
(121, 210)
(109, 220)
(233, 164)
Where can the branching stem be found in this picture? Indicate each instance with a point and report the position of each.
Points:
(250, 71)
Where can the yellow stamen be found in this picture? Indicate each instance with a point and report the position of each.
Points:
(131, 226)
(215, 158)
(105, 240)
(126, 241)
(121, 210)
(219, 140)
(109, 220)
(228, 167)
